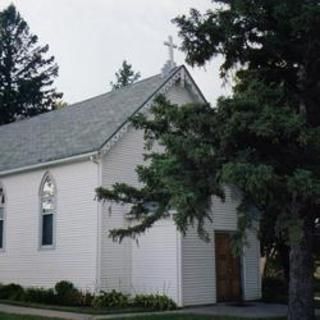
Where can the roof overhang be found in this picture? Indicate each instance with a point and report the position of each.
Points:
(180, 74)
(82, 157)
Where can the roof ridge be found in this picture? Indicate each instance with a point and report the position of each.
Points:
(114, 91)
(165, 80)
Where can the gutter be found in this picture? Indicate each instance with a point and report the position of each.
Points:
(84, 156)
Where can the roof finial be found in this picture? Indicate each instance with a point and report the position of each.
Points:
(170, 64)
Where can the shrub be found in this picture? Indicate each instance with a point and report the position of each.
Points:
(67, 294)
(40, 295)
(12, 291)
(87, 299)
(112, 299)
(274, 290)
(157, 302)
(63, 287)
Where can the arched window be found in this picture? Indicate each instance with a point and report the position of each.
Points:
(48, 211)
(2, 215)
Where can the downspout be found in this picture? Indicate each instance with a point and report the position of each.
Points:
(98, 161)
(179, 269)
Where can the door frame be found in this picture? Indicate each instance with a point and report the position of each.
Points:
(241, 265)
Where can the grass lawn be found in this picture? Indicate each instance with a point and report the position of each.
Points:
(87, 310)
(193, 317)
(5, 316)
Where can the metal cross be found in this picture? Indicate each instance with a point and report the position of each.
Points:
(171, 46)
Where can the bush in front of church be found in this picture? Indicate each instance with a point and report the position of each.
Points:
(112, 299)
(158, 302)
(118, 300)
(66, 294)
(39, 295)
(12, 291)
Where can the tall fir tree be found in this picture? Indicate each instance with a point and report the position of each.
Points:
(279, 42)
(26, 72)
(264, 139)
(125, 76)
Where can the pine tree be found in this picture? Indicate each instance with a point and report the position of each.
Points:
(264, 139)
(125, 76)
(26, 74)
(279, 42)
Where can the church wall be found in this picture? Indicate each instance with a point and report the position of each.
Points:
(155, 268)
(198, 257)
(122, 264)
(198, 269)
(74, 255)
(251, 268)
(118, 166)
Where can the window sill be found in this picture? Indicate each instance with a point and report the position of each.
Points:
(47, 248)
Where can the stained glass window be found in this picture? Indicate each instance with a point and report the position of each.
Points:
(2, 215)
(48, 210)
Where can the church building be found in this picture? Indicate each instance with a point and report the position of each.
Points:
(53, 229)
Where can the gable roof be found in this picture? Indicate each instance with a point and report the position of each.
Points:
(78, 129)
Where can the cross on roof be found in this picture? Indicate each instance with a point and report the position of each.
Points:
(171, 46)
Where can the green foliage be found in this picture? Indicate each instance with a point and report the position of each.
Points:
(11, 291)
(112, 299)
(67, 294)
(87, 299)
(125, 76)
(64, 294)
(39, 295)
(115, 299)
(157, 302)
(264, 139)
(63, 287)
(26, 72)
(275, 290)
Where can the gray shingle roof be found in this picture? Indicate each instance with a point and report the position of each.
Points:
(77, 129)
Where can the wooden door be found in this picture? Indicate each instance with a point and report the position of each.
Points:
(228, 277)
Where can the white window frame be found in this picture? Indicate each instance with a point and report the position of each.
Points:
(3, 206)
(52, 246)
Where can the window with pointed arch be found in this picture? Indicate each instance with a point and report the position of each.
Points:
(2, 215)
(48, 200)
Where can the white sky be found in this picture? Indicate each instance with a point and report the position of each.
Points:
(91, 38)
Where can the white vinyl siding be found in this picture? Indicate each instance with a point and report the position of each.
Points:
(224, 213)
(120, 267)
(198, 270)
(74, 257)
(118, 166)
(154, 261)
(251, 268)
(198, 257)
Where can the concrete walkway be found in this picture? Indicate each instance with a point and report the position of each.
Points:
(249, 310)
(44, 312)
(6, 308)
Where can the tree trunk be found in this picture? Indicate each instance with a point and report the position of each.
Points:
(301, 287)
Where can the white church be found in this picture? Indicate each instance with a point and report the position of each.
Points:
(52, 228)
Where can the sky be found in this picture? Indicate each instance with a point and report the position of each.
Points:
(91, 38)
